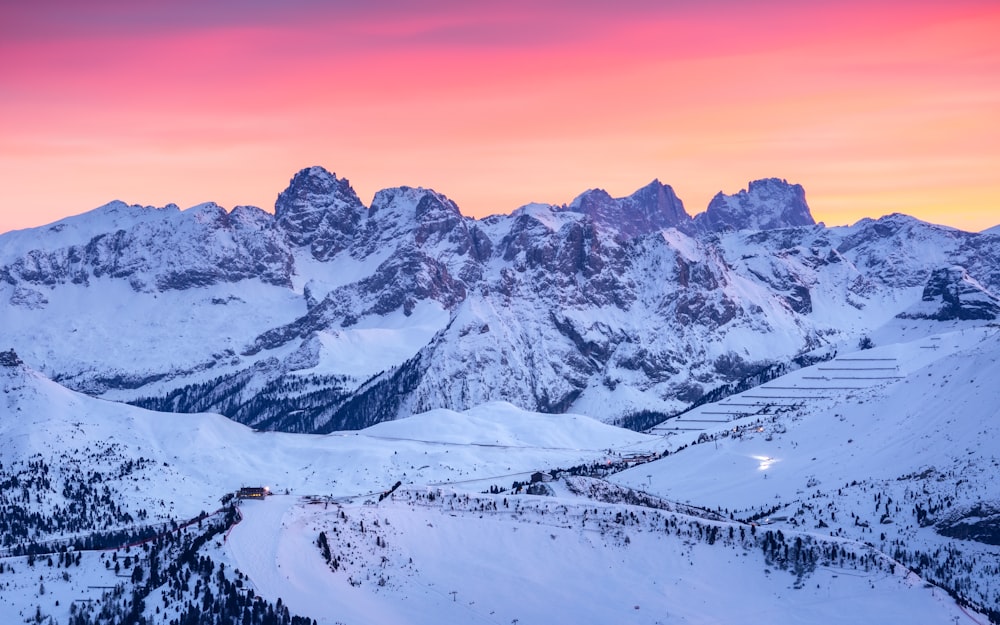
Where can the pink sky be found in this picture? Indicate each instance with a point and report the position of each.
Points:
(874, 107)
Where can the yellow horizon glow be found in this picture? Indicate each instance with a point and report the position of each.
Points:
(874, 108)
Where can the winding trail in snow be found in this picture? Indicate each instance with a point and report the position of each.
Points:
(287, 565)
(255, 544)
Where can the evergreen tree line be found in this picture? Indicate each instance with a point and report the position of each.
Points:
(31, 519)
(297, 404)
(172, 583)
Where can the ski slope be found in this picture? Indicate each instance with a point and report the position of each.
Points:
(473, 568)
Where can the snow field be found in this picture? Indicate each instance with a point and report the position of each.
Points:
(928, 438)
(454, 559)
(51, 590)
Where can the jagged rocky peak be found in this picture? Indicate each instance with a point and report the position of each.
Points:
(428, 215)
(249, 217)
(651, 208)
(413, 204)
(319, 210)
(658, 204)
(767, 204)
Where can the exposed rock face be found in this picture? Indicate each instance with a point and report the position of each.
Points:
(651, 208)
(28, 298)
(319, 211)
(10, 358)
(156, 249)
(329, 314)
(980, 522)
(427, 218)
(952, 294)
(765, 205)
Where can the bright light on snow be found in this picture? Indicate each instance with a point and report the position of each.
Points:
(764, 462)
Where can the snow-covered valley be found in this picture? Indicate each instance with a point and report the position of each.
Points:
(858, 489)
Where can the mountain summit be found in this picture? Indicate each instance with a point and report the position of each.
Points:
(653, 207)
(319, 211)
(767, 204)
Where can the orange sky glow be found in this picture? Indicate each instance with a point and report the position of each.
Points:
(874, 107)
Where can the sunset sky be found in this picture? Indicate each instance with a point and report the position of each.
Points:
(874, 107)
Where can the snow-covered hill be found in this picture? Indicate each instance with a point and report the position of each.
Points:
(196, 458)
(334, 315)
(859, 489)
(895, 446)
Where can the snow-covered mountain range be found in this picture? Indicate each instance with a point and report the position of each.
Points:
(330, 314)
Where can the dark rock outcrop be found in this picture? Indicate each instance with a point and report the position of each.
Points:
(651, 208)
(10, 358)
(951, 294)
(768, 204)
(319, 211)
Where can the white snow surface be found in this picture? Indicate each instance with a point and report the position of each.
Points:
(879, 413)
(440, 550)
(376, 343)
(143, 331)
(486, 568)
(548, 215)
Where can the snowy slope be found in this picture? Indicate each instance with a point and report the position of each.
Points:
(170, 467)
(440, 548)
(537, 564)
(891, 402)
(207, 455)
(896, 446)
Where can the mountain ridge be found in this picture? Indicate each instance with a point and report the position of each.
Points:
(604, 305)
